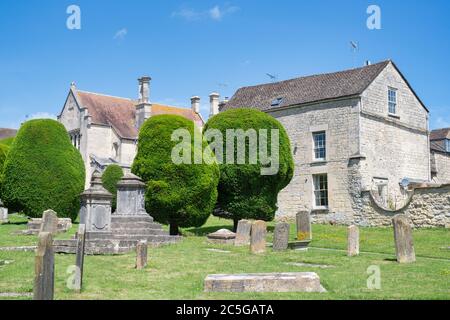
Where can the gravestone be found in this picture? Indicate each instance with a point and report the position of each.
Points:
(3, 213)
(264, 282)
(404, 246)
(303, 226)
(352, 241)
(44, 268)
(243, 233)
(141, 255)
(258, 237)
(222, 236)
(95, 210)
(79, 262)
(130, 196)
(49, 222)
(281, 236)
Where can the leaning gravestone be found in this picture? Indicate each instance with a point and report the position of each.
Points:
(243, 233)
(141, 255)
(352, 241)
(79, 262)
(49, 222)
(44, 268)
(3, 213)
(258, 237)
(404, 246)
(281, 236)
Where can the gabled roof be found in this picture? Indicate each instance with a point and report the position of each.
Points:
(120, 112)
(309, 89)
(440, 134)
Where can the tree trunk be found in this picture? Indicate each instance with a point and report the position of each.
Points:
(235, 224)
(174, 231)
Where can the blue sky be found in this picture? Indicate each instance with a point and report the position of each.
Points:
(196, 47)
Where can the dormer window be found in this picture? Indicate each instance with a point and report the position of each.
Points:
(392, 101)
(276, 102)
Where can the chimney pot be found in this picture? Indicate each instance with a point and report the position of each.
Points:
(144, 89)
(213, 104)
(195, 104)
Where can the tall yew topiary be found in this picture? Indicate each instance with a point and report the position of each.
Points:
(111, 176)
(179, 194)
(43, 171)
(244, 192)
(4, 149)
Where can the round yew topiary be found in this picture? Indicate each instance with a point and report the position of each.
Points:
(111, 176)
(184, 194)
(43, 171)
(244, 192)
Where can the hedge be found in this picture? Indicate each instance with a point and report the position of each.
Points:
(43, 170)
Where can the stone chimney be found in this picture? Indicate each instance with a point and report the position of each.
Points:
(213, 104)
(223, 103)
(144, 107)
(195, 104)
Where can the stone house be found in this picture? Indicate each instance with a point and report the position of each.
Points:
(440, 155)
(105, 128)
(353, 133)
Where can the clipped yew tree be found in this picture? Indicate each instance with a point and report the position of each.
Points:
(43, 170)
(4, 149)
(179, 194)
(244, 191)
(110, 177)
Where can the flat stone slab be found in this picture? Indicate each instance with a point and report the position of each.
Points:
(303, 264)
(14, 294)
(218, 250)
(222, 236)
(300, 245)
(264, 282)
(25, 248)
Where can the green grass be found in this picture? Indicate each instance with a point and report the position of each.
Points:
(177, 271)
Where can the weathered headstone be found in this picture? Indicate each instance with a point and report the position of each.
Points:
(49, 222)
(264, 282)
(243, 233)
(303, 226)
(404, 246)
(79, 262)
(281, 236)
(222, 236)
(352, 241)
(141, 255)
(258, 237)
(3, 213)
(44, 268)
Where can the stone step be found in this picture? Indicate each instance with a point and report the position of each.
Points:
(125, 231)
(137, 218)
(135, 225)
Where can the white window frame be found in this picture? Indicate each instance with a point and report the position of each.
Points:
(392, 102)
(447, 145)
(318, 192)
(321, 147)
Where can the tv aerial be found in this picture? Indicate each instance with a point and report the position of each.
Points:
(355, 49)
(273, 77)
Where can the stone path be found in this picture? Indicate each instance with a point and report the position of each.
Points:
(24, 248)
(218, 250)
(14, 294)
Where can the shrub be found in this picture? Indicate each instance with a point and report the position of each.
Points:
(111, 176)
(182, 195)
(43, 171)
(244, 193)
(4, 149)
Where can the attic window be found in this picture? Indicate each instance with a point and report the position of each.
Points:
(276, 102)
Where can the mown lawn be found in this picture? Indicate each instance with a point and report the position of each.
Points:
(177, 271)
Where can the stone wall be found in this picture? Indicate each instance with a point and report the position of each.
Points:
(428, 205)
(339, 119)
(442, 166)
